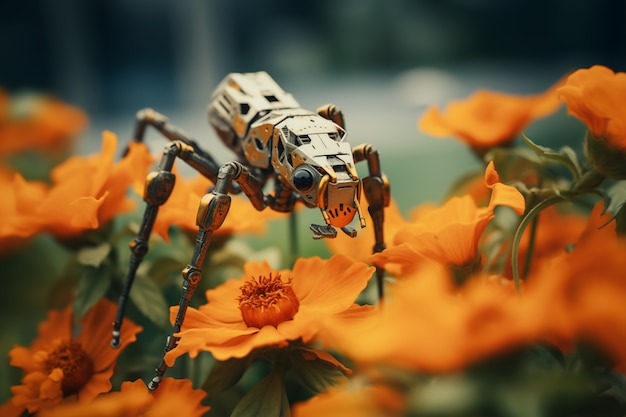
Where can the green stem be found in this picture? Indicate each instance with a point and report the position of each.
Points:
(588, 181)
(530, 216)
(294, 249)
(531, 246)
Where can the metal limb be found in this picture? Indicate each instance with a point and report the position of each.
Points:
(159, 185)
(198, 159)
(212, 212)
(332, 113)
(377, 193)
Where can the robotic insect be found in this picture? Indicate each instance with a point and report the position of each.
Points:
(304, 154)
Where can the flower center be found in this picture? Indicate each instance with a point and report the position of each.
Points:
(461, 273)
(77, 367)
(267, 301)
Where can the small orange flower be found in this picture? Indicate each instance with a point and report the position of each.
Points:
(182, 207)
(86, 192)
(450, 234)
(597, 96)
(427, 325)
(583, 293)
(580, 296)
(174, 397)
(37, 122)
(487, 119)
(58, 365)
(89, 191)
(20, 198)
(269, 308)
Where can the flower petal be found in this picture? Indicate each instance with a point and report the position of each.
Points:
(95, 335)
(502, 194)
(330, 285)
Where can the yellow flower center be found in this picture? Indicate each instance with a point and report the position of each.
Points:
(267, 301)
(76, 365)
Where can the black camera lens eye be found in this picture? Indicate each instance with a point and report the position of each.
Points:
(303, 180)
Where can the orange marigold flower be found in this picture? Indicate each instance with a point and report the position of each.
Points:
(182, 207)
(89, 191)
(59, 365)
(581, 295)
(578, 297)
(487, 119)
(597, 96)
(37, 122)
(450, 234)
(85, 193)
(174, 397)
(20, 198)
(447, 330)
(269, 308)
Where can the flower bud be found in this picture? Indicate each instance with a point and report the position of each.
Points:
(606, 159)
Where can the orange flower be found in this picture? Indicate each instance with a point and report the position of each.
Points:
(426, 325)
(174, 397)
(583, 293)
(267, 307)
(487, 119)
(579, 297)
(352, 400)
(58, 365)
(20, 198)
(597, 96)
(37, 122)
(450, 234)
(89, 191)
(182, 207)
(86, 192)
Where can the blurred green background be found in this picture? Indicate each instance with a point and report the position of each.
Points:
(381, 61)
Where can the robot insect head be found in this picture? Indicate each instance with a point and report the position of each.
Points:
(310, 153)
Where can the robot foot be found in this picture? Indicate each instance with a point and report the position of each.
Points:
(323, 232)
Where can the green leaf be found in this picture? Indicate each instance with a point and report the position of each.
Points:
(565, 156)
(514, 162)
(225, 374)
(179, 248)
(314, 373)
(571, 155)
(92, 285)
(616, 197)
(149, 299)
(266, 399)
(93, 256)
(164, 271)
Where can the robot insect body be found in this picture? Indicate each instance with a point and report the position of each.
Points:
(305, 154)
